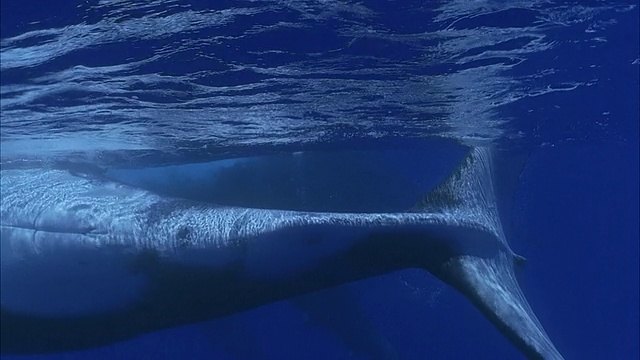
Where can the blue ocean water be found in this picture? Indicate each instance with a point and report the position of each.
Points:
(135, 84)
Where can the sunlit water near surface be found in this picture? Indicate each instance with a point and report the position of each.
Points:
(138, 82)
(120, 85)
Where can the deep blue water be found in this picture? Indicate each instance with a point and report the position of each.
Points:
(124, 84)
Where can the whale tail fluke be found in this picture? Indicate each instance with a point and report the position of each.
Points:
(492, 287)
(487, 278)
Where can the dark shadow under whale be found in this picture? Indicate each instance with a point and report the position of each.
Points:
(86, 261)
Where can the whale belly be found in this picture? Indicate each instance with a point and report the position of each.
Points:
(62, 274)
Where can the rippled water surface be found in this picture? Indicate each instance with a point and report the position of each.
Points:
(129, 82)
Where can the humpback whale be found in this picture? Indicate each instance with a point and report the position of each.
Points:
(87, 261)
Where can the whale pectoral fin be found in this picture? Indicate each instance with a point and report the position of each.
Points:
(491, 286)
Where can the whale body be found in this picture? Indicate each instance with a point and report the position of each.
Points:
(86, 261)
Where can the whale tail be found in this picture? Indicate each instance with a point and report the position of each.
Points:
(488, 278)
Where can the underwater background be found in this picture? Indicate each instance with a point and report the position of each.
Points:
(139, 84)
